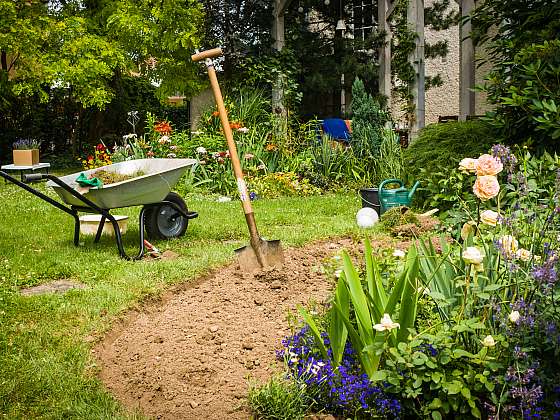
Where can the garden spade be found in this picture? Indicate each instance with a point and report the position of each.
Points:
(260, 253)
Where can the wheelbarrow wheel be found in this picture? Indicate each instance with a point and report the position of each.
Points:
(163, 221)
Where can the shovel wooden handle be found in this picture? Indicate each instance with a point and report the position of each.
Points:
(238, 172)
(203, 55)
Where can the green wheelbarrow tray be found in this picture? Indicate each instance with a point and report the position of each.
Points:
(396, 197)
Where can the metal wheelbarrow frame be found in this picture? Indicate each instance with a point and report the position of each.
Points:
(152, 191)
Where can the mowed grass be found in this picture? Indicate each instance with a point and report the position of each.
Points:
(46, 367)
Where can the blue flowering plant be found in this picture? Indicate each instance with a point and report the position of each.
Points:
(344, 389)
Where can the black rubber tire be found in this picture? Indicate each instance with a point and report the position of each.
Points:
(163, 221)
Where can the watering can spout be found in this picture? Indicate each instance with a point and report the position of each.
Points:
(413, 190)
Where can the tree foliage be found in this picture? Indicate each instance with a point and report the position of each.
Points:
(524, 82)
(84, 45)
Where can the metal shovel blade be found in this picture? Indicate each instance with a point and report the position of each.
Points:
(270, 251)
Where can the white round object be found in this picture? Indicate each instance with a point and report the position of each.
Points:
(366, 217)
(327, 2)
(300, 9)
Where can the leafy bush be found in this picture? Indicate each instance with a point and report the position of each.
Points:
(278, 184)
(368, 121)
(440, 147)
(524, 82)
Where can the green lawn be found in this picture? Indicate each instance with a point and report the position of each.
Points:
(46, 370)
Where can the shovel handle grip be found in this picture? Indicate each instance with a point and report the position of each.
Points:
(215, 52)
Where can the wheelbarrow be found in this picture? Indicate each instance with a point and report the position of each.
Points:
(164, 214)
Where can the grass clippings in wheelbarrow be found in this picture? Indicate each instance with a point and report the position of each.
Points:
(108, 178)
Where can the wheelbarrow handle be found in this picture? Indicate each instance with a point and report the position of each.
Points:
(215, 52)
(33, 177)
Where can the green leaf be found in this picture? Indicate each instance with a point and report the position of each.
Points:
(338, 334)
(436, 415)
(315, 331)
(436, 403)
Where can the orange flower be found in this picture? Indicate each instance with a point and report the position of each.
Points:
(270, 147)
(235, 125)
(215, 113)
(163, 127)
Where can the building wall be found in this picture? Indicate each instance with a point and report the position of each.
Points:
(443, 100)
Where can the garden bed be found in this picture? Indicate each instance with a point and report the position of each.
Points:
(190, 356)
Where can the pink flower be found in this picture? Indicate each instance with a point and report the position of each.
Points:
(488, 165)
(486, 187)
(248, 156)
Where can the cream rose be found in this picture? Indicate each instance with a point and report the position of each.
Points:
(486, 187)
(509, 245)
(467, 230)
(467, 165)
(523, 254)
(472, 255)
(489, 217)
(488, 341)
(514, 316)
(488, 165)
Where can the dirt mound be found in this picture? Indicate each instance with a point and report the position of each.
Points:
(190, 356)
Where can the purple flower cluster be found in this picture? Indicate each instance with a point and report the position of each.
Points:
(507, 158)
(546, 274)
(342, 390)
(525, 391)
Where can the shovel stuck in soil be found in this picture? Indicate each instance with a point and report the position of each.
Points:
(259, 253)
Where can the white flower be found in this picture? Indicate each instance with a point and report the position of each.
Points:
(224, 199)
(386, 324)
(366, 217)
(171, 155)
(129, 136)
(338, 273)
(165, 139)
(399, 253)
(201, 150)
(489, 217)
(468, 165)
(243, 130)
(472, 255)
(514, 316)
(488, 341)
(523, 254)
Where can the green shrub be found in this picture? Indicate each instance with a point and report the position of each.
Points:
(278, 399)
(368, 121)
(441, 146)
(278, 184)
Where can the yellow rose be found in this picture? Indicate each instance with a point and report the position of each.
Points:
(509, 245)
(472, 255)
(523, 254)
(467, 230)
(489, 217)
(467, 165)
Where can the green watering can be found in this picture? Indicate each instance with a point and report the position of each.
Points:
(395, 197)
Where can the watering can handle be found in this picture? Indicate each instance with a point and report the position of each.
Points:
(390, 181)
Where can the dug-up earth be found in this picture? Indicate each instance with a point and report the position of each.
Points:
(193, 354)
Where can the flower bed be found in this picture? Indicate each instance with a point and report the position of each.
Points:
(468, 328)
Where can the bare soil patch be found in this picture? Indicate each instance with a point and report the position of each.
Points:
(190, 356)
(57, 286)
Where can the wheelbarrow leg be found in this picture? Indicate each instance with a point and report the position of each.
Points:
(100, 229)
(76, 228)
